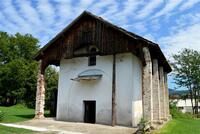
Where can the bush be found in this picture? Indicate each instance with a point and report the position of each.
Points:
(2, 114)
(176, 113)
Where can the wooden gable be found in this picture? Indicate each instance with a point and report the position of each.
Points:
(89, 30)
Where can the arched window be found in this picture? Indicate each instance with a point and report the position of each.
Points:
(92, 57)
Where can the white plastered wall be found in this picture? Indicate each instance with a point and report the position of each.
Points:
(71, 94)
(129, 89)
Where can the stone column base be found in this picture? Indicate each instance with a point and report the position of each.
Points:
(164, 119)
(39, 116)
(159, 122)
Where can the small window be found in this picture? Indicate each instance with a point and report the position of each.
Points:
(92, 57)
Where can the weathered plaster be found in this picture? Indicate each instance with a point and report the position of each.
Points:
(167, 97)
(162, 94)
(71, 94)
(147, 86)
(156, 91)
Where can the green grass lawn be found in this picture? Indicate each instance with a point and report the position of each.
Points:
(18, 113)
(181, 124)
(14, 114)
(11, 130)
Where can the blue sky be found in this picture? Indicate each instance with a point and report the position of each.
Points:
(174, 24)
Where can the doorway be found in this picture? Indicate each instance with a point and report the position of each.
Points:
(90, 111)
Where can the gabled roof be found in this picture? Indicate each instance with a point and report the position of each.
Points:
(151, 44)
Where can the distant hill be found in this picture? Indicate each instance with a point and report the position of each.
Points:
(173, 91)
(177, 93)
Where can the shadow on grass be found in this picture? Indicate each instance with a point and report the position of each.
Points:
(31, 116)
(28, 116)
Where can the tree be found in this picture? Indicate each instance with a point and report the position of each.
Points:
(16, 66)
(18, 70)
(51, 85)
(186, 65)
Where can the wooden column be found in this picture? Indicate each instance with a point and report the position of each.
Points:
(114, 91)
(162, 93)
(147, 86)
(40, 93)
(166, 97)
(156, 92)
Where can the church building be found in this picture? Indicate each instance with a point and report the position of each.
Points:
(107, 75)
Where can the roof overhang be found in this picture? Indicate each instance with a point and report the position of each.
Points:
(88, 75)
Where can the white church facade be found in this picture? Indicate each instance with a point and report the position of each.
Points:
(107, 75)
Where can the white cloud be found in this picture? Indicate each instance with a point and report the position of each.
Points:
(128, 11)
(169, 7)
(28, 12)
(148, 9)
(98, 7)
(46, 11)
(188, 4)
(45, 18)
(150, 37)
(11, 16)
(184, 38)
(111, 7)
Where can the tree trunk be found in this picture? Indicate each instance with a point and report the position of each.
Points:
(196, 102)
(191, 98)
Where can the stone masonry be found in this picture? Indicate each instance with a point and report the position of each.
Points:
(166, 97)
(156, 92)
(162, 93)
(40, 95)
(147, 86)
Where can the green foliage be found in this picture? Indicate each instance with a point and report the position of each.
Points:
(186, 67)
(18, 70)
(51, 77)
(176, 114)
(142, 120)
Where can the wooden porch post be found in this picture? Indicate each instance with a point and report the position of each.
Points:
(40, 93)
(114, 91)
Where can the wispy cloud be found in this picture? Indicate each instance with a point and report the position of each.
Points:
(183, 38)
(28, 12)
(188, 4)
(45, 18)
(46, 11)
(168, 8)
(149, 8)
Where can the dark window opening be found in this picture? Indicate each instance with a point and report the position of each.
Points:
(92, 57)
(90, 111)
